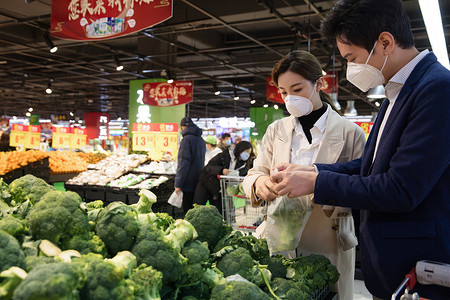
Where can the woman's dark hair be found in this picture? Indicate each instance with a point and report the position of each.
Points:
(304, 64)
(360, 22)
(241, 147)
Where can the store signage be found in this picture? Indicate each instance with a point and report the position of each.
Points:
(99, 19)
(272, 92)
(26, 136)
(62, 137)
(155, 136)
(366, 126)
(168, 94)
(330, 83)
(79, 138)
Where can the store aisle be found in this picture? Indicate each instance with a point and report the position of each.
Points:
(361, 292)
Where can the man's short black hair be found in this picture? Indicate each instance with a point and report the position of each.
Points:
(226, 135)
(360, 22)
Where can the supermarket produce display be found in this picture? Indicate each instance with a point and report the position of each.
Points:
(55, 246)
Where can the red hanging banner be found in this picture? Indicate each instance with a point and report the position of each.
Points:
(100, 19)
(330, 83)
(168, 94)
(272, 92)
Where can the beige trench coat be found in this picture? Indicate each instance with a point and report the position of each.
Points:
(343, 140)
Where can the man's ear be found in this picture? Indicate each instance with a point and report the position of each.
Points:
(387, 41)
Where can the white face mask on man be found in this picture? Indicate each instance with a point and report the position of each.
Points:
(365, 76)
(299, 106)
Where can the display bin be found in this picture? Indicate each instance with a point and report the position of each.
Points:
(94, 192)
(38, 168)
(115, 194)
(11, 175)
(79, 189)
(162, 207)
(132, 196)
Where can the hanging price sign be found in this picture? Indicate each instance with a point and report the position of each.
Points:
(19, 135)
(162, 136)
(33, 139)
(62, 137)
(78, 138)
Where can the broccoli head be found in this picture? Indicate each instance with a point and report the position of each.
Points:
(14, 226)
(238, 261)
(86, 243)
(208, 223)
(195, 251)
(153, 249)
(58, 217)
(289, 289)
(11, 255)
(275, 265)
(28, 187)
(9, 280)
(238, 290)
(50, 281)
(117, 226)
(148, 283)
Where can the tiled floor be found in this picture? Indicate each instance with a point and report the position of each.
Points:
(361, 292)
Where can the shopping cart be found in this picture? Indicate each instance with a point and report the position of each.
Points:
(425, 272)
(236, 208)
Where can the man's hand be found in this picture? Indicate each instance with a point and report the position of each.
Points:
(177, 190)
(294, 183)
(264, 188)
(225, 171)
(294, 167)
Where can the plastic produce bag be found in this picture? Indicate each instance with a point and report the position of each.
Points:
(346, 233)
(176, 199)
(286, 220)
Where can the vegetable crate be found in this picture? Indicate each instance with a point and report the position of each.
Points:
(237, 210)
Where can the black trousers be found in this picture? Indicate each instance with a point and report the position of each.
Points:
(188, 200)
(202, 195)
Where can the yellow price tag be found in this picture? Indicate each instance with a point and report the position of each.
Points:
(143, 141)
(167, 141)
(17, 138)
(33, 140)
(61, 140)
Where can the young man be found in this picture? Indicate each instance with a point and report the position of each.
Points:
(225, 142)
(402, 181)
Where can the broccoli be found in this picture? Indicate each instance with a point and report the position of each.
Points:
(88, 242)
(289, 289)
(14, 226)
(28, 187)
(181, 232)
(148, 283)
(258, 247)
(97, 204)
(10, 252)
(34, 261)
(50, 281)
(146, 200)
(153, 249)
(195, 252)
(105, 279)
(5, 195)
(117, 226)
(9, 280)
(238, 290)
(238, 261)
(207, 222)
(275, 265)
(229, 239)
(58, 217)
(4, 208)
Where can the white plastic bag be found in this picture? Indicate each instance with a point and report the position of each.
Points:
(346, 233)
(176, 199)
(286, 220)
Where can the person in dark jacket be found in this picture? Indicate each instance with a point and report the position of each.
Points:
(191, 159)
(208, 187)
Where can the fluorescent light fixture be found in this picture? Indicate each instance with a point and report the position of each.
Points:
(433, 23)
(253, 102)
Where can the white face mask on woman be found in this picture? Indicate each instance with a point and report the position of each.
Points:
(365, 76)
(244, 156)
(299, 106)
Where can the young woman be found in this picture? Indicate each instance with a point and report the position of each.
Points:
(208, 188)
(312, 133)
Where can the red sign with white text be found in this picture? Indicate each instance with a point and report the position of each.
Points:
(100, 19)
(152, 127)
(330, 83)
(272, 92)
(168, 94)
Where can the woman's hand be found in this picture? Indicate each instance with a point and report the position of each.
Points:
(264, 188)
(293, 167)
(294, 183)
(225, 171)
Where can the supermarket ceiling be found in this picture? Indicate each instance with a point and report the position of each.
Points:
(234, 43)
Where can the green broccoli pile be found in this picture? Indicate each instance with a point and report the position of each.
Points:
(54, 246)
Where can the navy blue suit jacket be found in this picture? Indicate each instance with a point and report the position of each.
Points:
(404, 195)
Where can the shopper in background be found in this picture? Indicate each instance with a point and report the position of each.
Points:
(224, 142)
(401, 183)
(239, 160)
(211, 149)
(191, 159)
(312, 133)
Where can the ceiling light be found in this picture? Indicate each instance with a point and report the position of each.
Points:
(350, 111)
(216, 89)
(170, 80)
(255, 131)
(119, 66)
(253, 102)
(236, 96)
(49, 42)
(324, 73)
(49, 86)
(376, 92)
(433, 23)
(28, 114)
(30, 109)
(2, 62)
(71, 114)
(119, 119)
(266, 105)
(377, 104)
(275, 106)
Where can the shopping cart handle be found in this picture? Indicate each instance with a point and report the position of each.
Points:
(412, 279)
